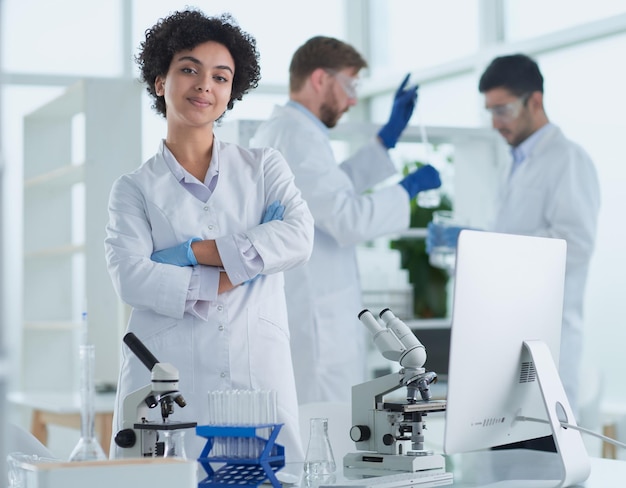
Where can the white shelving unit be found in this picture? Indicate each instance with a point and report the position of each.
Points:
(75, 147)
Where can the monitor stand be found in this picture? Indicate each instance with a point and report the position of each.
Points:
(569, 443)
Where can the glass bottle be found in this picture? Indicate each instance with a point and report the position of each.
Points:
(319, 459)
(88, 447)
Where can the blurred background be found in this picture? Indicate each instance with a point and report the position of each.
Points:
(73, 117)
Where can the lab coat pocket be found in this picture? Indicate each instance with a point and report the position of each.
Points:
(270, 358)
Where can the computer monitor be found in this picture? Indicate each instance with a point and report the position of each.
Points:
(504, 345)
(436, 340)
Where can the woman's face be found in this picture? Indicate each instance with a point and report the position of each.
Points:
(198, 85)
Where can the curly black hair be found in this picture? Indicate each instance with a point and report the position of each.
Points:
(187, 29)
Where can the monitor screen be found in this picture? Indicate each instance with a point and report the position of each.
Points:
(507, 289)
(436, 340)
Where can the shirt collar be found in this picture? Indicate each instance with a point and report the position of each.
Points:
(523, 150)
(301, 108)
(181, 174)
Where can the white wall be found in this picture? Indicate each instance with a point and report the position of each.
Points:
(585, 95)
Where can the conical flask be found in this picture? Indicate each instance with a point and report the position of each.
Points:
(88, 447)
(319, 460)
(174, 444)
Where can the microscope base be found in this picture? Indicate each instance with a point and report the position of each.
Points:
(356, 461)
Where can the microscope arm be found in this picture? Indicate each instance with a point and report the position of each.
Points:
(134, 407)
(364, 394)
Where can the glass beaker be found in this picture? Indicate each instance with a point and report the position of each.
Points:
(444, 235)
(319, 459)
(88, 447)
(174, 443)
(429, 198)
(18, 467)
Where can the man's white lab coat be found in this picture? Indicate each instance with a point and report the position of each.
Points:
(324, 296)
(555, 193)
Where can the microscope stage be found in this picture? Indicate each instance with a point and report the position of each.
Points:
(431, 406)
(165, 426)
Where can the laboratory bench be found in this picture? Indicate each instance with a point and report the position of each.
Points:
(517, 468)
(63, 409)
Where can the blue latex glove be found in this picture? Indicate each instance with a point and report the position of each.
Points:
(274, 211)
(401, 111)
(180, 255)
(424, 178)
(442, 236)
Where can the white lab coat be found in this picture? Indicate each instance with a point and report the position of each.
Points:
(244, 344)
(324, 296)
(555, 193)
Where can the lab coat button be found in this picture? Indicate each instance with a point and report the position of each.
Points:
(223, 375)
(220, 308)
(210, 227)
(206, 208)
(221, 327)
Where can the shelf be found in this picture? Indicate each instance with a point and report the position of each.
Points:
(420, 324)
(413, 233)
(75, 146)
(64, 176)
(39, 325)
(412, 133)
(65, 106)
(54, 252)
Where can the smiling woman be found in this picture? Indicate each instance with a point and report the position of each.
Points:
(197, 92)
(199, 235)
(164, 40)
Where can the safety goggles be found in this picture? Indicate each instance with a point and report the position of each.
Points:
(349, 84)
(508, 111)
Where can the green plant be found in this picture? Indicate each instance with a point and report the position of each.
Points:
(429, 283)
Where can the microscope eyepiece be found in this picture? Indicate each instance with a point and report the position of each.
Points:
(140, 350)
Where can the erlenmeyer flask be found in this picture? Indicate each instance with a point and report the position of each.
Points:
(174, 444)
(319, 460)
(88, 447)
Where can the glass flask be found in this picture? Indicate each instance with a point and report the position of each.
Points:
(443, 253)
(88, 447)
(319, 460)
(429, 198)
(174, 443)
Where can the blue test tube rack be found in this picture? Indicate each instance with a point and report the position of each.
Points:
(241, 471)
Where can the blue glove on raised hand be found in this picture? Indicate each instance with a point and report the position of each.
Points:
(401, 111)
(274, 211)
(424, 178)
(180, 255)
(442, 236)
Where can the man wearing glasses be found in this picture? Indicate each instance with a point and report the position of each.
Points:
(551, 189)
(324, 296)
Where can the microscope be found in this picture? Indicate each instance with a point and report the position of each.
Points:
(390, 435)
(140, 437)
